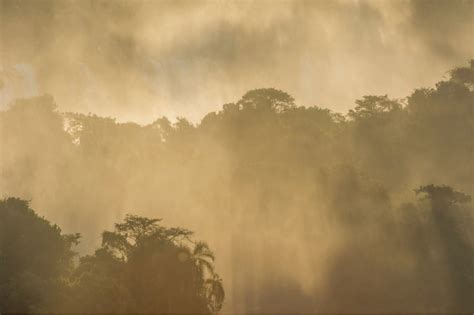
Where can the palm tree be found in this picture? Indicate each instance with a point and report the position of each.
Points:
(212, 283)
(214, 293)
(203, 258)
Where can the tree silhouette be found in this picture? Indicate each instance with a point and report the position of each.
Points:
(35, 260)
(446, 208)
(150, 268)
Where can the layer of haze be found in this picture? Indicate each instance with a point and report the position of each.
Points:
(135, 60)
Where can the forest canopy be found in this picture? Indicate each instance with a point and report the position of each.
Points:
(307, 209)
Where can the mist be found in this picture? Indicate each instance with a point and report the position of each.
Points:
(135, 60)
(323, 150)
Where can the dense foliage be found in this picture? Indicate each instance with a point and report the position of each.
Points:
(309, 209)
(146, 268)
(142, 267)
(35, 259)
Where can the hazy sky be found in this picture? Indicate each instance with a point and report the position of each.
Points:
(137, 60)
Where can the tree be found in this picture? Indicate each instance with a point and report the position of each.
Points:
(267, 98)
(448, 213)
(464, 75)
(35, 260)
(371, 106)
(145, 267)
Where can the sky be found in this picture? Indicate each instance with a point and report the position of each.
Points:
(139, 60)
